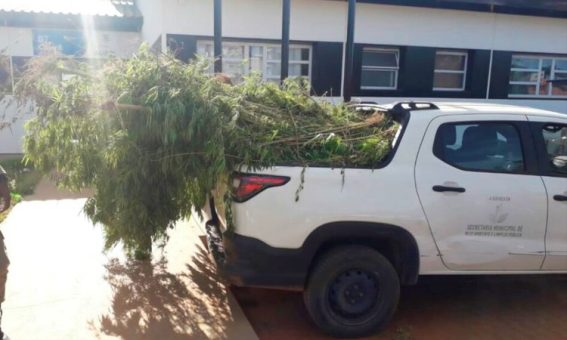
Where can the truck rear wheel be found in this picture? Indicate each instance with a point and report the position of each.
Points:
(352, 291)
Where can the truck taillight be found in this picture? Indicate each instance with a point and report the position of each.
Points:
(248, 186)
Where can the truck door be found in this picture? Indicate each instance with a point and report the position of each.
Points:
(551, 141)
(477, 180)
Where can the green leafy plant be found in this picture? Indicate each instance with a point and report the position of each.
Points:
(154, 136)
(16, 198)
(23, 178)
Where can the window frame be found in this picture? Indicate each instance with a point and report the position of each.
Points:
(545, 168)
(525, 136)
(539, 71)
(246, 61)
(463, 72)
(380, 68)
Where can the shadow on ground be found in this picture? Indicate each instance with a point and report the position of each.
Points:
(153, 302)
(505, 307)
(47, 190)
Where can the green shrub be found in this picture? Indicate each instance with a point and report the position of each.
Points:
(16, 198)
(154, 136)
(23, 178)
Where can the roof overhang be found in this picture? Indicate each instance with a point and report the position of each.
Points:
(543, 8)
(69, 21)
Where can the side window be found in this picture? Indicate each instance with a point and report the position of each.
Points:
(555, 139)
(480, 146)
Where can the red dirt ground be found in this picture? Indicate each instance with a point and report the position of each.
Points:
(437, 308)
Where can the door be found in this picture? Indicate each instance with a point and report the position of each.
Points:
(477, 180)
(551, 140)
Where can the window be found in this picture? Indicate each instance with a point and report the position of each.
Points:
(11, 69)
(555, 138)
(379, 69)
(240, 59)
(534, 76)
(450, 71)
(19, 65)
(482, 146)
(5, 75)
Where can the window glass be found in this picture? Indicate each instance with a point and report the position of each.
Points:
(256, 59)
(378, 78)
(274, 53)
(305, 55)
(450, 71)
(561, 65)
(232, 52)
(273, 70)
(523, 89)
(446, 61)
(296, 70)
(235, 68)
(555, 138)
(305, 70)
(525, 63)
(19, 65)
(524, 76)
(379, 69)
(448, 81)
(205, 50)
(5, 75)
(484, 146)
(379, 58)
(298, 54)
(535, 76)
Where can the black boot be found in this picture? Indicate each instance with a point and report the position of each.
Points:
(2, 335)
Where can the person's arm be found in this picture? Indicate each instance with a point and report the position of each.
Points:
(4, 190)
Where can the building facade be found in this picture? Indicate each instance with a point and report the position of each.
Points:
(440, 50)
(86, 32)
(505, 51)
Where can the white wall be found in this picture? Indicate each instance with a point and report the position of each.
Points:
(398, 25)
(320, 20)
(11, 139)
(324, 20)
(16, 41)
(120, 44)
(152, 11)
(19, 42)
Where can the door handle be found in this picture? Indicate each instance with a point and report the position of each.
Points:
(442, 188)
(560, 198)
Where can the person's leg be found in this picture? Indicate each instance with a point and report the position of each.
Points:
(4, 263)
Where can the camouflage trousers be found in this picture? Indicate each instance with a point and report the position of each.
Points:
(4, 263)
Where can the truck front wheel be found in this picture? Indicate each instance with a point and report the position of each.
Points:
(352, 291)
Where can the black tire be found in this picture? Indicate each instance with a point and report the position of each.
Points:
(343, 311)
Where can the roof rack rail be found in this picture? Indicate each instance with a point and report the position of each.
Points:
(361, 103)
(403, 107)
(367, 105)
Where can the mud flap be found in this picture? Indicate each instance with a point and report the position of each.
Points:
(215, 243)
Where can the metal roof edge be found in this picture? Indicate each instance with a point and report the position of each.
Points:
(69, 21)
(475, 7)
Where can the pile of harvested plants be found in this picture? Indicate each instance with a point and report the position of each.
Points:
(153, 136)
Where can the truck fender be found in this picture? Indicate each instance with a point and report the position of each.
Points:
(394, 242)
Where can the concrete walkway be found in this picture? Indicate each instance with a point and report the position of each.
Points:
(61, 285)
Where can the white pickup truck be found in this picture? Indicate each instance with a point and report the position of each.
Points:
(466, 189)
